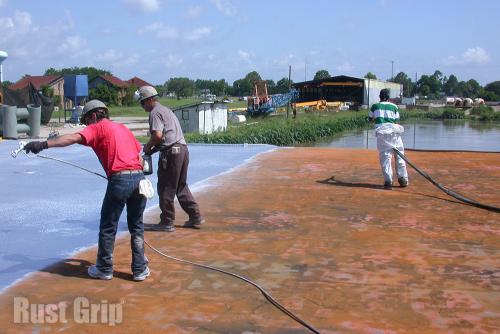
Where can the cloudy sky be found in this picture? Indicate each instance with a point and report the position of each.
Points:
(214, 39)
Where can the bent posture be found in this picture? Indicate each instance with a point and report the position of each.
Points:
(118, 152)
(385, 114)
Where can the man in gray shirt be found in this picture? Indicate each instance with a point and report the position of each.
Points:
(167, 137)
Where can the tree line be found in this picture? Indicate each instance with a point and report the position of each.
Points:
(437, 85)
(432, 86)
(184, 87)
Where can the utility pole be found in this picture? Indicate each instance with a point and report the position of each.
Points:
(392, 69)
(289, 86)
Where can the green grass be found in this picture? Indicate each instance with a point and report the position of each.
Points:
(282, 131)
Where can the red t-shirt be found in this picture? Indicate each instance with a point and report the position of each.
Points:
(114, 145)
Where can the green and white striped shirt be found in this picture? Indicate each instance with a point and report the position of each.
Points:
(384, 112)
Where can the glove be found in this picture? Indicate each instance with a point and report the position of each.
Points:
(147, 152)
(36, 146)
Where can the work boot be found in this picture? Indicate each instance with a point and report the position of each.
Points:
(194, 223)
(403, 182)
(96, 273)
(388, 185)
(166, 226)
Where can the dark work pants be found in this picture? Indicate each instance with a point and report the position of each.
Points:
(122, 190)
(172, 181)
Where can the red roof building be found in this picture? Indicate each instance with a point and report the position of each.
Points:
(138, 82)
(109, 80)
(37, 81)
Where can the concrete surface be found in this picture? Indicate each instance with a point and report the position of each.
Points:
(138, 125)
(345, 256)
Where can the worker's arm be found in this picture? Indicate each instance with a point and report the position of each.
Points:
(64, 140)
(154, 140)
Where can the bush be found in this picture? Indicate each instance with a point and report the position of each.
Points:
(106, 94)
(485, 113)
(283, 132)
(452, 113)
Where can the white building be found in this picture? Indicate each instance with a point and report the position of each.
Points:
(204, 117)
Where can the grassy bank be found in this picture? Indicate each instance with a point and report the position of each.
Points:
(305, 128)
(282, 131)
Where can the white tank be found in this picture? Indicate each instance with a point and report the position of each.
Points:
(3, 56)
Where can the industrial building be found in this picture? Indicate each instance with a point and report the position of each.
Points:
(356, 91)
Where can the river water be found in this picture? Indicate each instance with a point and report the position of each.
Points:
(428, 134)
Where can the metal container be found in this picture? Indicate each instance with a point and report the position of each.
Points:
(148, 164)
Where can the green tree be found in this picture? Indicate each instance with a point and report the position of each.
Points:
(128, 99)
(47, 91)
(253, 77)
(493, 87)
(322, 74)
(430, 85)
(182, 87)
(6, 84)
(106, 94)
(450, 86)
(271, 87)
(283, 85)
(91, 72)
(244, 87)
(370, 75)
(405, 80)
(469, 88)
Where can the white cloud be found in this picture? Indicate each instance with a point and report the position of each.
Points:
(470, 56)
(160, 31)
(172, 60)
(345, 67)
(144, 5)
(194, 11)
(2, 2)
(116, 58)
(19, 24)
(198, 33)
(72, 44)
(244, 54)
(110, 55)
(226, 7)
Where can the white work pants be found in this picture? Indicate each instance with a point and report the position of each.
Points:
(385, 155)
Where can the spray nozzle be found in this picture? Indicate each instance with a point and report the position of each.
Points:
(14, 153)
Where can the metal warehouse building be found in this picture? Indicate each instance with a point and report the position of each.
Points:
(357, 91)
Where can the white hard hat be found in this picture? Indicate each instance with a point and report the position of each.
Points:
(145, 92)
(93, 104)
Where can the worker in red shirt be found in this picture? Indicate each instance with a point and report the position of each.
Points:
(118, 151)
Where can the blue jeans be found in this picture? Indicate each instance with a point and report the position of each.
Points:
(123, 189)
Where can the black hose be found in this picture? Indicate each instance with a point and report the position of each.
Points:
(450, 151)
(446, 190)
(273, 301)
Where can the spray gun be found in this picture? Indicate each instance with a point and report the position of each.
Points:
(14, 153)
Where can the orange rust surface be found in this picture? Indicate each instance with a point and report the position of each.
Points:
(346, 256)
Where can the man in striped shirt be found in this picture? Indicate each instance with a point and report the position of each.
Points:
(385, 114)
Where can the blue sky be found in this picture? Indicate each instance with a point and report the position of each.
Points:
(214, 39)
